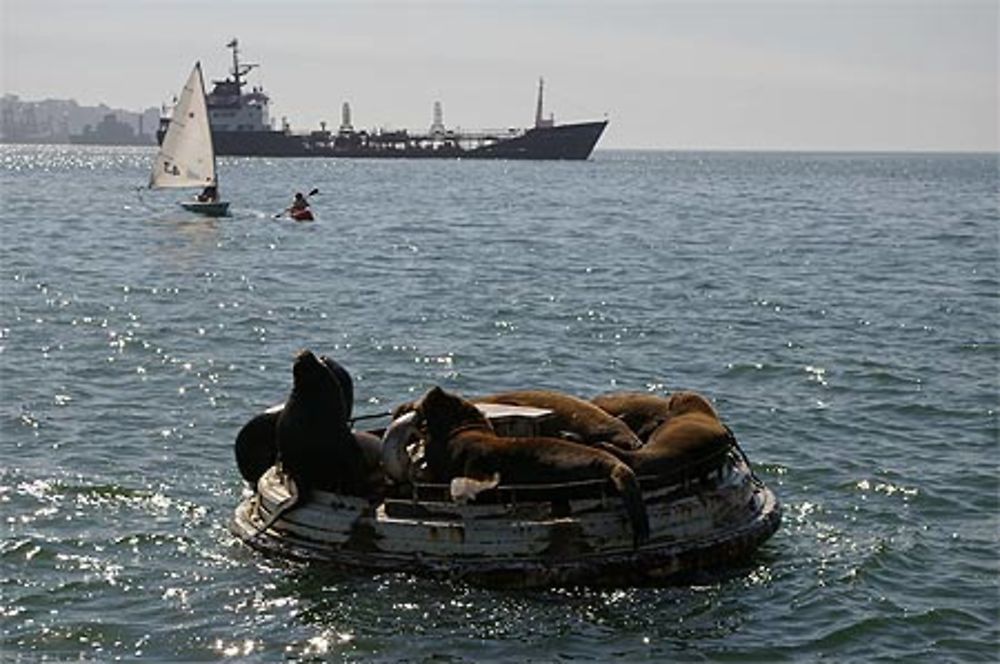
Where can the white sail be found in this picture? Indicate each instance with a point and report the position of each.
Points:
(186, 157)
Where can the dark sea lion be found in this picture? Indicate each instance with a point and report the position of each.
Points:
(346, 384)
(256, 444)
(691, 433)
(642, 412)
(374, 479)
(256, 448)
(580, 419)
(314, 441)
(460, 443)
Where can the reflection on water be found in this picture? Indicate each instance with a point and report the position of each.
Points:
(837, 308)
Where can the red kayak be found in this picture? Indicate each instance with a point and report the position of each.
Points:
(301, 215)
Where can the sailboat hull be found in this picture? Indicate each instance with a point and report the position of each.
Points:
(217, 209)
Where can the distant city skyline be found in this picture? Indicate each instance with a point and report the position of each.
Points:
(808, 75)
(65, 121)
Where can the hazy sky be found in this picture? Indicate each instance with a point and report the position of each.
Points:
(750, 74)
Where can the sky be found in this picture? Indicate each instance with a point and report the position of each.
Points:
(668, 74)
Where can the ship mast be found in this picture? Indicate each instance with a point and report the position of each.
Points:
(539, 120)
(238, 69)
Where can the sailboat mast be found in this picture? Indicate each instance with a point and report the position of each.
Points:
(211, 139)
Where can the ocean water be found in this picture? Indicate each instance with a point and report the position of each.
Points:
(842, 310)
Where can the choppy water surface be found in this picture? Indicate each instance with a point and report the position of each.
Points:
(842, 311)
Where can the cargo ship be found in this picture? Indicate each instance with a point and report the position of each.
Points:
(241, 127)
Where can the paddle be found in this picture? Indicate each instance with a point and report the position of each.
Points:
(288, 209)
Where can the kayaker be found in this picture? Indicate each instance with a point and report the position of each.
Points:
(300, 203)
(209, 194)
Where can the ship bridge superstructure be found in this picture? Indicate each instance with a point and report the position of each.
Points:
(229, 108)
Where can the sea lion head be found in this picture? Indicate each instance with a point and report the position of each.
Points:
(441, 413)
(403, 409)
(313, 379)
(307, 370)
(315, 382)
(682, 403)
(692, 430)
(344, 379)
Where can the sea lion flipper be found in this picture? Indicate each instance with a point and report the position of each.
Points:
(464, 489)
(628, 486)
(256, 448)
(625, 456)
(572, 437)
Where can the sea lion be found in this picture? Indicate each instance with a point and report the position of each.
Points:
(256, 448)
(369, 444)
(315, 444)
(460, 443)
(573, 417)
(692, 432)
(642, 412)
(346, 384)
(256, 445)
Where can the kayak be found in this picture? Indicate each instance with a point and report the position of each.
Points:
(301, 215)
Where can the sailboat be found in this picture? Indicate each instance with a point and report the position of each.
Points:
(187, 156)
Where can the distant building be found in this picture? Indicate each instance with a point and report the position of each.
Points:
(110, 131)
(29, 122)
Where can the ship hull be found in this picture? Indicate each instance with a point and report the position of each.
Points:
(561, 142)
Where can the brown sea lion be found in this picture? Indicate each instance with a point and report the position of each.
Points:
(315, 444)
(642, 412)
(460, 442)
(691, 433)
(572, 417)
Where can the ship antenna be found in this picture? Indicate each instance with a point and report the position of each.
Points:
(238, 70)
(538, 108)
(235, 45)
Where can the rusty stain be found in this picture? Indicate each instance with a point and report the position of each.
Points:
(363, 537)
(566, 539)
(452, 534)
